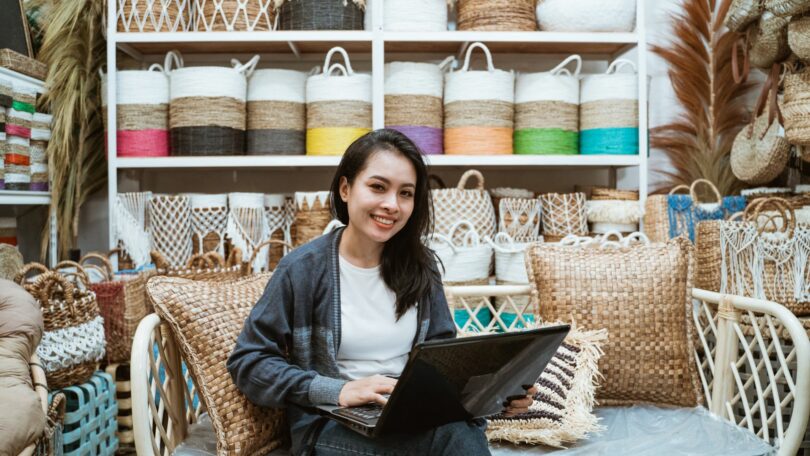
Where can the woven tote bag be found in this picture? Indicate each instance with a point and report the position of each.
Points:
(207, 107)
(170, 227)
(479, 109)
(685, 211)
(141, 112)
(799, 36)
(563, 214)
(586, 15)
(313, 211)
(496, 15)
(320, 14)
(520, 219)
(656, 215)
(247, 227)
(154, 15)
(413, 102)
(547, 111)
(209, 217)
(608, 113)
(795, 105)
(338, 107)
(474, 205)
(233, 15)
(767, 41)
(132, 228)
(276, 112)
(414, 15)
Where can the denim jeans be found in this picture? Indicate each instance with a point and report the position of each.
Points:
(463, 438)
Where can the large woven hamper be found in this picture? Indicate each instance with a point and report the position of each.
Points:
(320, 14)
(276, 112)
(609, 111)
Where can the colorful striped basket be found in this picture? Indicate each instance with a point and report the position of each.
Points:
(276, 112)
(608, 115)
(479, 109)
(413, 102)
(142, 112)
(338, 107)
(547, 111)
(18, 123)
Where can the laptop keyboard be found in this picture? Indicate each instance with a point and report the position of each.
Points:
(364, 413)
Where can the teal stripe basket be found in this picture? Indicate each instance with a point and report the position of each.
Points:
(90, 420)
(612, 141)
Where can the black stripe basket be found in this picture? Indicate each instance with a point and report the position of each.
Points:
(320, 15)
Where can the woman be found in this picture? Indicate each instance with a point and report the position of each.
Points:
(341, 313)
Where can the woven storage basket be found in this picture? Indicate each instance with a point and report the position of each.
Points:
(276, 112)
(338, 107)
(741, 13)
(90, 422)
(479, 109)
(73, 341)
(547, 111)
(170, 227)
(279, 211)
(613, 194)
(519, 218)
(209, 216)
(795, 107)
(414, 15)
(210, 267)
(247, 226)
(608, 113)
(23, 64)
(233, 15)
(586, 15)
(767, 41)
(17, 162)
(800, 197)
(474, 205)
(786, 8)
(207, 107)
(685, 211)
(496, 15)
(312, 215)
(320, 14)
(132, 228)
(563, 214)
(510, 269)
(506, 192)
(154, 15)
(623, 214)
(799, 36)
(142, 112)
(413, 102)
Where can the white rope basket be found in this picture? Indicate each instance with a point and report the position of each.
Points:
(416, 78)
(208, 81)
(510, 264)
(349, 86)
(611, 85)
(209, 215)
(464, 261)
(586, 15)
(247, 226)
(150, 87)
(490, 84)
(277, 85)
(558, 84)
(413, 15)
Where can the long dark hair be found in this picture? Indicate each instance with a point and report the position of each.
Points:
(408, 266)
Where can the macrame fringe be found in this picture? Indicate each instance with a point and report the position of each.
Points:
(133, 237)
(241, 238)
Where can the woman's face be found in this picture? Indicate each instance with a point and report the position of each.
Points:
(381, 198)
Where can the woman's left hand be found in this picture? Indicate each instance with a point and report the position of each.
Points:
(520, 404)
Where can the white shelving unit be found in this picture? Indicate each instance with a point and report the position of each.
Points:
(20, 201)
(378, 44)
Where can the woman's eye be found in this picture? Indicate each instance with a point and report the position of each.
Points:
(377, 187)
(407, 194)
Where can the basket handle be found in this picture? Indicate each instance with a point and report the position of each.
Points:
(500, 239)
(23, 273)
(636, 237)
(618, 64)
(783, 210)
(708, 183)
(337, 66)
(739, 77)
(483, 47)
(448, 63)
(80, 273)
(246, 68)
(452, 231)
(561, 67)
(159, 260)
(612, 233)
(200, 261)
(173, 56)
(104, 262)
(444, 239)
(328, 60)
(156, 67)
(234, 258)
(679, 188)
(45, 287)
(265, 243)
(215, 259)
(464, 177)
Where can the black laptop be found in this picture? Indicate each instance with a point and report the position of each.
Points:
(456, 379)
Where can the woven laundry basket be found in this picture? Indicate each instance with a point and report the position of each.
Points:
(207, 107)
(767, 41)
(247, 226)
(132, 228)
(608, 112)
(338, 106)
(479, 109)
(320, 14)
(563, 214)
(786, 8)
(507, 192)
(496, 15)
(170, 228)
(142, 112)
(313, 211)
(742, 13)
(586, 15)
(520, 218)
(233, 15)
(154, 15)
(276, 112)
(209, 216)
(413, 102)
(279, 211)
(547, 111)
(795, 106)
(414, 15)
(460, 203)
(799, 36)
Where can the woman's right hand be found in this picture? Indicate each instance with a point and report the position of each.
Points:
(365, 390)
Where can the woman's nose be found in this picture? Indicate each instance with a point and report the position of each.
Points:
(390, 201)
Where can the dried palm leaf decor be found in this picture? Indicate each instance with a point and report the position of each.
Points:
(698, 141)
(74, 48)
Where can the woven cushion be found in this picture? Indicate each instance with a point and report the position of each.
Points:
(562, 408)
(642, 296)
(206, 318)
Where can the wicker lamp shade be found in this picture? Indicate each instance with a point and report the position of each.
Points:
(312, 215)
(320, 14)
(276, 112)
(233, 15)
(497, 15)
(154, 15)
(609, 111)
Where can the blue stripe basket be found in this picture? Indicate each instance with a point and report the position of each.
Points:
(90, 420)
(611, 141)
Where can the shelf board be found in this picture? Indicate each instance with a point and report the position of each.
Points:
(301, 161)
(24, 198)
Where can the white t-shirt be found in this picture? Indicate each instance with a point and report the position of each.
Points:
(372, 341)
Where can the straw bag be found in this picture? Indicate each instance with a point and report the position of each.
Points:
(141, 112)
(209, 266)
(320, 14)
(313, 211)
(207, 107)
(474, 205)
(276, 112)
(547, 111)
(132, 228)
(684, 211)
(519, 218)
(247, 226)
(767, 41)
(795, 106)
(799, 36)
(338, 107)
(414, 16)
(586, 15)
(786, 8)
(563, 214)
(741, 13)
(233, 15)
(73, 341)
(209, 216)
(496, 15)
(154, 15)
(479, 109)
(609, 111)
(413, 102)
(760, 152)
(170, 227)
(122, 304)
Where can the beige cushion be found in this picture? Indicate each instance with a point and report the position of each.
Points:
(642, 296)
(206, 318)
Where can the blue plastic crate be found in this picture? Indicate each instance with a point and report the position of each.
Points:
(90, 417)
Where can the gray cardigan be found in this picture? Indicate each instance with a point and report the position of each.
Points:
(286, 353)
